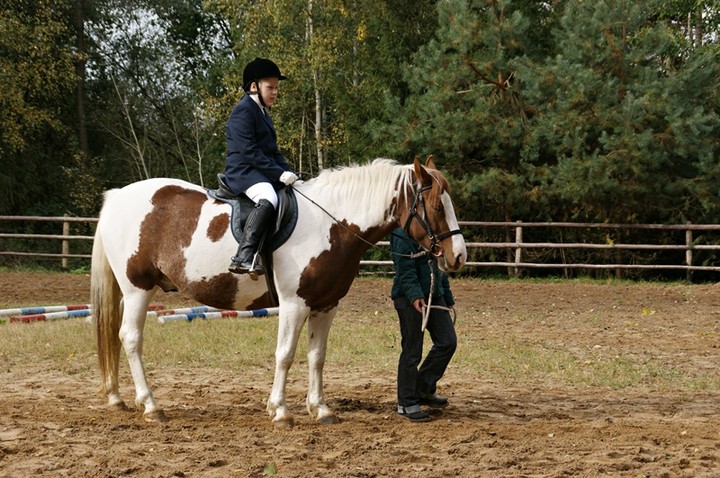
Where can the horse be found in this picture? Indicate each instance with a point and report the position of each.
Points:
(169, 234)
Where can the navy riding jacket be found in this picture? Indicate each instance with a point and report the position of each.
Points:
(252, 151)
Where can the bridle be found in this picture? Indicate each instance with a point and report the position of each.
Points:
(419, 203)
(412, 214)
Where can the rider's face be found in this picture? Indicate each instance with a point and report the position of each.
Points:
(269, 90)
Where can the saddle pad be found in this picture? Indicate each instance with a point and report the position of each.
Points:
(286, 216)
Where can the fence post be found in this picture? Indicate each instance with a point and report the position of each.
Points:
(518, 250)
(688, 254)
(65, 244)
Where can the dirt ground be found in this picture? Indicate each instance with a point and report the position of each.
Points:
(53, 424)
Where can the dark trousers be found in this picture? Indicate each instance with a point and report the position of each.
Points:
(412, 380)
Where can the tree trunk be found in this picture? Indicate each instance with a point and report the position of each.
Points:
(80, 78)
(318, 94)
(698, 27)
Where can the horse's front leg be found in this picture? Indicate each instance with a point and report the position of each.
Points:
(131, 335)
(290, 323)
(318, 330)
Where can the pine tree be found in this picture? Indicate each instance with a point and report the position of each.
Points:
(466, 106)
(617, 126)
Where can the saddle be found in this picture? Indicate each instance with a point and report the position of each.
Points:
(285, 221)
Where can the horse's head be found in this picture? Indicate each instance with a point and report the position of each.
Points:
(430, 217)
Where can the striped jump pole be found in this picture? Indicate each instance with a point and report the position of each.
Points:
(185, 310)
(57, 312)
(43, 309)
(220, 314)
(50, 316)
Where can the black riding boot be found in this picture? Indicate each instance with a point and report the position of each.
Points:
(245, 260)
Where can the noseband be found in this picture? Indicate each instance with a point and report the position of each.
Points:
(419, 203)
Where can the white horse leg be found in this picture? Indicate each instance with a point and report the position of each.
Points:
(318, 330)
(290, 323)
(131, 335)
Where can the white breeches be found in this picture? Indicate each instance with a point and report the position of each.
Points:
(259, 191)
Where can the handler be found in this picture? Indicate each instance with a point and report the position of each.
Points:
(410, 294)
(254, 165)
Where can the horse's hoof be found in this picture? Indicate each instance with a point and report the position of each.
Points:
(328, 420)
(120, 407)
(284, 424)
(158, 416)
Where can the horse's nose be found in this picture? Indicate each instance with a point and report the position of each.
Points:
(459, 261)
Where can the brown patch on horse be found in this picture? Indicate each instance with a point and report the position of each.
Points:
(218, 291)
(164, 233)
(440, 185)
(261, 302)
(328, 277)
(218, 227)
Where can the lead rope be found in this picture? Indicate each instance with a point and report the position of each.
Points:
(426, 312)
(428, 306)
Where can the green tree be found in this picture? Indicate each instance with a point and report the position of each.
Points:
(342, 59)
(617, 125)
(37, 76)
(544, 117)
(465, 105)
(151, 68)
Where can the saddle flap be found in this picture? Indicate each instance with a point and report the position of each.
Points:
(286, 215)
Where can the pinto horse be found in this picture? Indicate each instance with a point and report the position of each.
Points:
(168, 234)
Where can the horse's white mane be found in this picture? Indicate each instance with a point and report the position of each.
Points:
(375, 183)
(374, 178)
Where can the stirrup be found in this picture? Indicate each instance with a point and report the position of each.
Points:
(253, 269)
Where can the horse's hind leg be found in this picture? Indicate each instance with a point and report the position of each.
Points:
(318, 330)
(131, 335)
(112, 386)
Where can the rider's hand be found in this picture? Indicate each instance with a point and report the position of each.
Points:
(419, 304)
(288, 177)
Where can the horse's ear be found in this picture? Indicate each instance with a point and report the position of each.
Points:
(421, 173)
(430, 162)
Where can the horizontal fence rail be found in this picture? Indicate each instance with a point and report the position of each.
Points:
(64, 255)
(513, 246)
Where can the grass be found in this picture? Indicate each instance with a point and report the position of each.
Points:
(68, 346)
(370, 342)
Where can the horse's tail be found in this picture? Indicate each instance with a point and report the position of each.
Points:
(105, 297)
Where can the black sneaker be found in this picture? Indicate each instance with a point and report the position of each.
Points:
(416, 415)
(433, 400)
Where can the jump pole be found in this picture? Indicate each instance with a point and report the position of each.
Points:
(220, 314)
(43, 309)
(50, 316)
(185, 310)
(56, 312)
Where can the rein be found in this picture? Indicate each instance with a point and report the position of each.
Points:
(418, 198)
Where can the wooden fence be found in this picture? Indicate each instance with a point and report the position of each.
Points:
(515, 249)
(65, 237)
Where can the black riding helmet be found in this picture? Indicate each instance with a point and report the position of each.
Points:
(257, 69)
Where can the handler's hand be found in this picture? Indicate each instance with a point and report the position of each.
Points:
(419, 304)
(288, 177)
